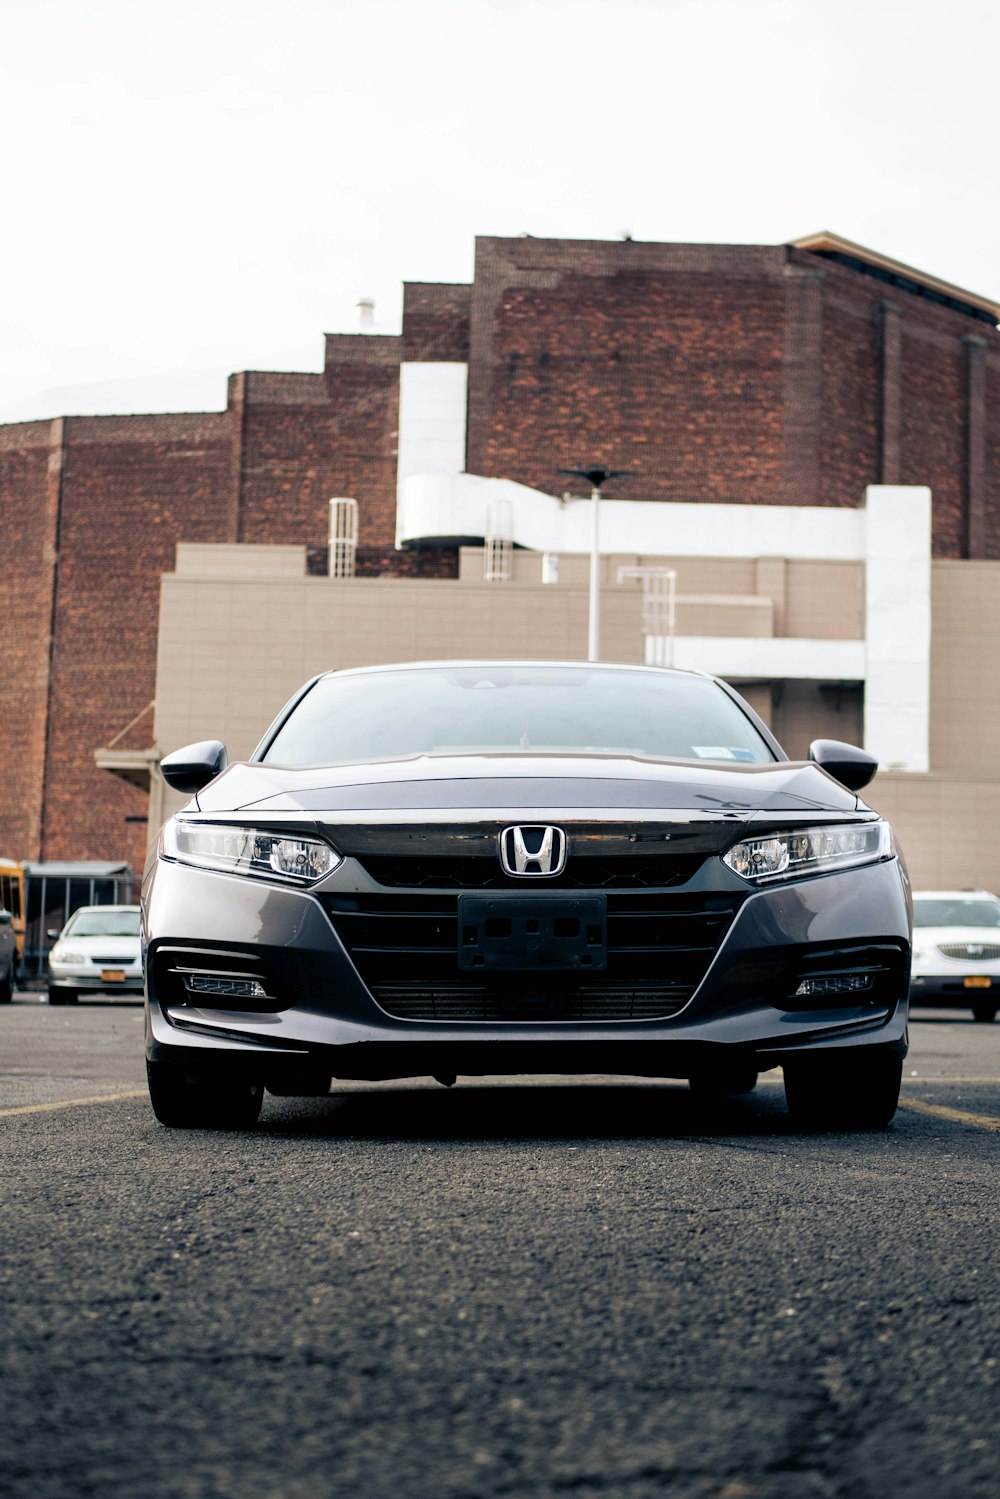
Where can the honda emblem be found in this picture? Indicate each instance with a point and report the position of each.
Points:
(533, 851)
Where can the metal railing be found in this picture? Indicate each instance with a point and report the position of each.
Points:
(49, 903)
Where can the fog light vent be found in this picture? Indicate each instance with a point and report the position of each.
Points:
(230, 987)
(841, 983)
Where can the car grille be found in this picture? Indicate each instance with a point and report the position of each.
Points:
(406, 950)
(971, 950)
(596, 873)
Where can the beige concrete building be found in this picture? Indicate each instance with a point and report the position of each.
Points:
(849, 633)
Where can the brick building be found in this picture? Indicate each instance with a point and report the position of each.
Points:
(774, 375)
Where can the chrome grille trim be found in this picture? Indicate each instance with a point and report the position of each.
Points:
(477, 1002)
(987, 951)
(640, 870)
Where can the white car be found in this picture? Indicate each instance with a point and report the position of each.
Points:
(97, 951)
(956, 950)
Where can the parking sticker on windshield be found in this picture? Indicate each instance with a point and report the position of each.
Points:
(722, 752)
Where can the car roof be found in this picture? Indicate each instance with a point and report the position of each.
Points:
(512, 661)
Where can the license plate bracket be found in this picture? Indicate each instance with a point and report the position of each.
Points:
(511, 933)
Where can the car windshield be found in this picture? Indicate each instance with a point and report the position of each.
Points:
(956, 912)
(103, 924)
(482, 709)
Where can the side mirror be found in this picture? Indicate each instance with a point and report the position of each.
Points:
(52, 933)
(5, 917)
(851, 766)
(191, 768)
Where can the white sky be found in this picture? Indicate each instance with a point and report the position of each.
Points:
(193, 187)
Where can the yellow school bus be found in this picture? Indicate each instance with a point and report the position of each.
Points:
(12, 897)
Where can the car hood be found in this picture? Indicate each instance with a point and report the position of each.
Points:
(118, 947)
(546, 783)
(933, 936)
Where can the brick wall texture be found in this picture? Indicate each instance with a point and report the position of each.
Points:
(727, 373)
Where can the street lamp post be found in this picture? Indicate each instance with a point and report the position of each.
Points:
(596, 477)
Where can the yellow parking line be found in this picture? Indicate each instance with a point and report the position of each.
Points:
(954, 1116)
(925, 1080)
(70, 1103)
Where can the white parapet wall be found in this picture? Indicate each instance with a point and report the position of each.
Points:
(898, 625)
(891, 536)
(441, 506)
(771, 657)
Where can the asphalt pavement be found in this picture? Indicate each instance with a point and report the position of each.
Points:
(516, 1288)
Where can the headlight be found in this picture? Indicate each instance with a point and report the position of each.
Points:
(803, 851)
(249, 851)
(60, 954)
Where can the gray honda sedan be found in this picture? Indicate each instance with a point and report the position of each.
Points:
(475, 868)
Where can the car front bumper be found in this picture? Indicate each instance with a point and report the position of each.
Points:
(91, 980)
(324, 1018)
(951, 989)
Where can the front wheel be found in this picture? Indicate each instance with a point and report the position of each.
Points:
(7, 987)
(984, 1013)
(183, 1099)
(855, 1090)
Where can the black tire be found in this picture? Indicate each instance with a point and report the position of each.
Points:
(858, 1089)
(62, 996)
(7, 988)
(182, 1099)
(723, 1082)
(984, 1013)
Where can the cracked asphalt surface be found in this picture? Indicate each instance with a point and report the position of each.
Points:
(514, 1288)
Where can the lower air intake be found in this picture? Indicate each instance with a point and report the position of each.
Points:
(523, 1004)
